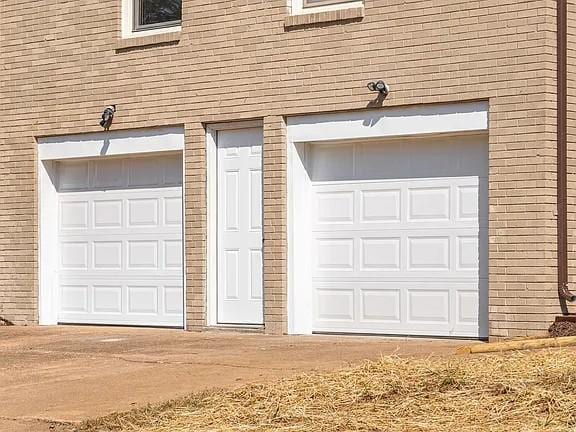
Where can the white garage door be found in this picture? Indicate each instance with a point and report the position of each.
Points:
(120, 239)
(400, 237)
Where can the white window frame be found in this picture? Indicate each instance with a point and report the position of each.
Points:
(129, 23)
(299, 7)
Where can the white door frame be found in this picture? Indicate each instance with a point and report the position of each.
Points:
(212, 213)
(425, 120)
(92, 145)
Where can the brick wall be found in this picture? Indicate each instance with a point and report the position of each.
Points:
(234, 60)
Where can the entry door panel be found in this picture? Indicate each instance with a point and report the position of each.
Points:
(240, 227)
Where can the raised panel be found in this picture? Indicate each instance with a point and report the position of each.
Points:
(74, 215)
(468, 253)
(144, 172)
(231, 151)
(380, 253)
(143, 212)
(107, 298)
(431, 253)
(428, 306)
(173, 211)
(335, 254)
(143, 254)
(74, 298)
(107, 255)
(335, 207)
(468, 202)
(380, 206)
(231, 269)
(255, 256)
(231, 210)
(74, 255)
(255, 190)
(468, 307)
(173, 300)
(429, 203)
(109, 173)
(142, 299)
(380, 305)
(256, 150)
(172, 254)
(335, 304)
(107, 213)
(73, 175)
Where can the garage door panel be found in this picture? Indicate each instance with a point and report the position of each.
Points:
(107, 213)
(335, 305)
(380, 205)
(380, 305)
(380, 253)
(121, 241)
(428, 306)
(74, 255)
(398, 306)
(107, 255)
(428, 253)
(107, 299)
(74, 215)
(130, 302)
(403, 232)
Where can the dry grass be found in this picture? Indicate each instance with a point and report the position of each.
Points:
(533, 391)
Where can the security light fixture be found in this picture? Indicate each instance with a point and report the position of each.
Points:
(107, 117)
(380, 87)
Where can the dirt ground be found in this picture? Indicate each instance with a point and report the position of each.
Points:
(53, 376)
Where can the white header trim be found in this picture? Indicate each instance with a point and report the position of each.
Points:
(400, 121)
(111, 143)
(297, 7)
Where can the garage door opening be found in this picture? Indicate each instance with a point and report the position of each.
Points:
(391, 236)
(119, 240)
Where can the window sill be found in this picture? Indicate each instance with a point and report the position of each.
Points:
(171, 38)
(324, 17)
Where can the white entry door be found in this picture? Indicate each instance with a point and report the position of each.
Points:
(120, 237)
(240, 226)
(400, 237)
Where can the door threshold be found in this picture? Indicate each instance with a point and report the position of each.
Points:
(241, 328)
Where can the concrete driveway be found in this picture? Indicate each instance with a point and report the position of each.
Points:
(53, 376)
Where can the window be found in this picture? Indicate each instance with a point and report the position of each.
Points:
(153, 14)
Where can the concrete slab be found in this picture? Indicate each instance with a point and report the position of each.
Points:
(53, 375)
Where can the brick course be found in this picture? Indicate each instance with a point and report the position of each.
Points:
(242, 59)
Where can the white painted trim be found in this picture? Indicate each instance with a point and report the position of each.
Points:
(212, 227)
(391, 122)
(48, 251)
(128, 24)
(297, 7)
(421, 121)
(125, 142)
(299, 241)
(81, 146)
(184, 260)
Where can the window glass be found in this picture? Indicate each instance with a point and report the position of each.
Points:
(152, 13)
